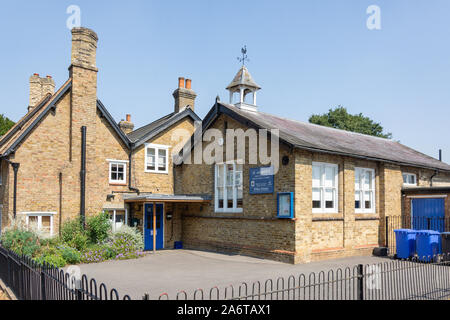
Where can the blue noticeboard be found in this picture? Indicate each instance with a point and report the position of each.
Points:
(285, 205)
(261, 180)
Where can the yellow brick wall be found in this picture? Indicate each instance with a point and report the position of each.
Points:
(256, 231)
(47, 152)
(162, 183)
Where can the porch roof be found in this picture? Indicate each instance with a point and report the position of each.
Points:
(152, 197)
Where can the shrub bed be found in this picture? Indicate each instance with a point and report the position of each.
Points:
(95, 243)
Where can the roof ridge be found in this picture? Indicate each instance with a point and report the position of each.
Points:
(169, 114)
(322, 126)
(23, 131)
(319, 138)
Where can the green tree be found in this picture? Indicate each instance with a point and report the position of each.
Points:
(5, 124)
(339, 118)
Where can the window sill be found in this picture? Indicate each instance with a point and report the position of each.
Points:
(364, 213)
(325, 212)
(229, 211)
(157, 172)
(118, 184)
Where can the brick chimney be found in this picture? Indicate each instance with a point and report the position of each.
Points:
(126, 125)
(184, 95)
(39, 87)
(83, 99)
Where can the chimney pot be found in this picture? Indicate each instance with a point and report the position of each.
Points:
(180, 82)
(126, 126)
(188, 84)
(184, 96)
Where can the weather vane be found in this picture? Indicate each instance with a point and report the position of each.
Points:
(244, 56)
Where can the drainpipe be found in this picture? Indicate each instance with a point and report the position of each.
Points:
(130, 159)
(15, 167)
(431, 178)
(83, 177)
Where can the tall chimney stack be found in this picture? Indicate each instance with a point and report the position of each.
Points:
(39, 87)
(184, 95)
(83, 98)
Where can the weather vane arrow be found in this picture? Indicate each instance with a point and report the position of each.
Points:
(244, 56)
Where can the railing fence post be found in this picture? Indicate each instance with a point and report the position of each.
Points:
(43, 291)
(360, 282)
(9, 269)
(386, 226)
(78, 290)
(21, 279)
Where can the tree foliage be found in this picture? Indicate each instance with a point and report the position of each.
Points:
(5, 124)
(339, 118)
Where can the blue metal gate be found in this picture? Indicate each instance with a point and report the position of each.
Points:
(428, 214)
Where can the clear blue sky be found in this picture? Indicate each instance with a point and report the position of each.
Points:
(307, 55)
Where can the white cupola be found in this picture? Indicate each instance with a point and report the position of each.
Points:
(243, 85)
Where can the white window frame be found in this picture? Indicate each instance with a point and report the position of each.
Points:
(322, 188)
(225, 208)
(362, 190)
(113, 212)
(40, 215)
(119, 163)
(157, 148)
(408, 174)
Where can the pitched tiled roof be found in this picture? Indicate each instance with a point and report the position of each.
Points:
(143, 134)
(13, 138)
(324, 139)
(23, 127)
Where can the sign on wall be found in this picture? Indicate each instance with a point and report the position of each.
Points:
(261, 180)
(285, 205)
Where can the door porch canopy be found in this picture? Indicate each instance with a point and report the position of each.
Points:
(152, 198)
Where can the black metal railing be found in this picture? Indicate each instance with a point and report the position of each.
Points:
(426, 278)
(390, 280)
(415, 223)
(29, 280)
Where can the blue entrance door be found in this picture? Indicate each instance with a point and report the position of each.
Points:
(148, 232)
(428, 214)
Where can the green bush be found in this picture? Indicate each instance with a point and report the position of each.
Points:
(98, 227)
(21, 241)
(71, 255)
(70, 229)
(73, 234)
(49, 242)
(94, 254)
(133, 236)
(79, 242)
(53, 259)
(110, 253)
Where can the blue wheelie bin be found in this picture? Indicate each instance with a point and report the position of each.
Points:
(406, 243)
(428, 245)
